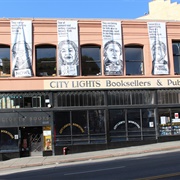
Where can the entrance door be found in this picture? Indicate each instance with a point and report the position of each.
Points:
(35, 138)
(33, 135)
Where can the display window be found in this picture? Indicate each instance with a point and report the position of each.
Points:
(9, 139)
(169, 121)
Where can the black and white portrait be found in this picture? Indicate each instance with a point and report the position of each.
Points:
(160, 64)
(68, 58)
(21, 53)
(113, 64)
(158, 47)
(21, 39)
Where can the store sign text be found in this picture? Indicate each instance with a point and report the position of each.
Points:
(40, 118)
(112, 83)
(8, 133)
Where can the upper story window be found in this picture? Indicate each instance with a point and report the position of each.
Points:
(176, 57)
(134, 60)
(4, 61)
(45, 60)
(90, 60)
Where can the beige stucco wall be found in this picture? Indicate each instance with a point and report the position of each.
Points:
(45, 32)
(163, 10)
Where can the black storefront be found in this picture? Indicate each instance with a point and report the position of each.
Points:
(88, 120)
(95, 120)
(25, 133)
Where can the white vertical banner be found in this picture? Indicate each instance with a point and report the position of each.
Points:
(158, 47)
(112, 48)
(68, 54)
(21, 40)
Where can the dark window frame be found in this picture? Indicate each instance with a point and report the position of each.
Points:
(80, 127)
(134, 61)
(5, 70)
(176, 56)
(87, 64)
(47, 67)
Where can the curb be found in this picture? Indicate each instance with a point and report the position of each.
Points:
(93, 157)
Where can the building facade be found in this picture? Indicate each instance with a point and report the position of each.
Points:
(87, 84)
(162, 10)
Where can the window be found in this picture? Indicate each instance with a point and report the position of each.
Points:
(80, 127)
(171, 96)
(4, 61)
(134, 60)
(131, 124)
(46, 60)
(8, 142)
(169, 123)
(80, 98)
(24, 100)
(90, 60)
(131, 97)
(176, 57)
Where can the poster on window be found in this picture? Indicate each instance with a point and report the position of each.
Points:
(21, 40)
(112, 48)
(68, 57)
(158, 48)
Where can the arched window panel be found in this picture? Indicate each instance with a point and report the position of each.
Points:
(59, 100)
(100, 98)
(72, 103)
(168, 96)
(76, 99)
(176, 57)
(90, 60)
(4, 61)
(45, 60)
(86, 98)
(130, 97)
(69, 100)
(80, 98)
(134, 60)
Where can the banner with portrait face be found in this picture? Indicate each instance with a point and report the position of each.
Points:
(112, 48)
(158, 47)
(68, 55)
(21, 40)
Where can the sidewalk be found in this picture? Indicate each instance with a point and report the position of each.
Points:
(50, 160)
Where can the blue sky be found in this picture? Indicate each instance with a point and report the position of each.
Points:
(111, 9)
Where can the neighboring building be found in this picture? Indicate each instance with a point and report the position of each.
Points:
(162, 10)
(87, 84)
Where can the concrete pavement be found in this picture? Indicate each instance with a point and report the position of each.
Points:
(19, 163)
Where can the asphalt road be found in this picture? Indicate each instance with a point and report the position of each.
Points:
(141, 167)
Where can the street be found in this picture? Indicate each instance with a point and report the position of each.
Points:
(158, 166)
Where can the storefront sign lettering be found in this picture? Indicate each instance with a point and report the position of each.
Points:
(74, 84)
(8, 133)
(69, 124)
(123, 122)
(114, 83)
(174, 83)
(40, 118)
(135, 83)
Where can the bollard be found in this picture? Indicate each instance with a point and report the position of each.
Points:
(65, 150)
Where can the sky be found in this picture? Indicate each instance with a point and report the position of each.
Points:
(91, 9)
